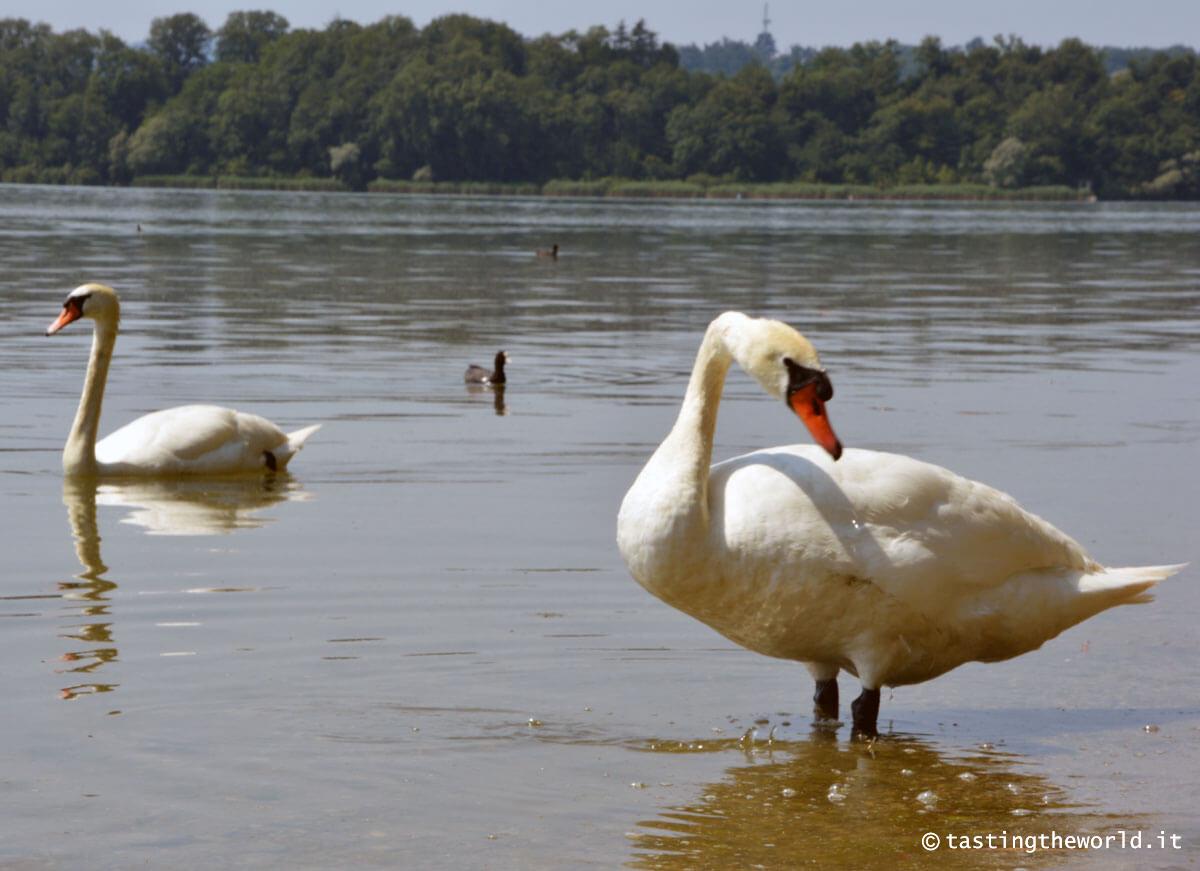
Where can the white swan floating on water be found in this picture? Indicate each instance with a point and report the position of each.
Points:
(892, 569)
(187, 440)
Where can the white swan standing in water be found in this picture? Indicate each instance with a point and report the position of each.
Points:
(890, 568)
(187, 440)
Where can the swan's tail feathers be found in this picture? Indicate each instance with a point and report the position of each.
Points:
(1033, 607)
(1128, 586)
(282, 455)
(297, 439)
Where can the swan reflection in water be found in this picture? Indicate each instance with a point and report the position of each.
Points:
(199, 506)
(90, 591)
(497, 392)
(168, 507)
(824, 803)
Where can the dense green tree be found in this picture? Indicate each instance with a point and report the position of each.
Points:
(733, 130)
(177, 138)
(181, 44)
(125, 81)
(64, 97)
(459, 105)
(345, 161)
(845, 86)
(1005, 166)
(244, 35)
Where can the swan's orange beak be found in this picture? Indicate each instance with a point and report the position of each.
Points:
(72, 311)
(810, 408)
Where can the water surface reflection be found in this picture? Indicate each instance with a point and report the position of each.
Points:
(199, 506)
(496, 391)
(88, 598)
(825, 803)
(184, 507)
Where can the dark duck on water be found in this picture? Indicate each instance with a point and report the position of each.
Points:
(479, 375)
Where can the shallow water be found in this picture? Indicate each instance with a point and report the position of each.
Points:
(421, 648)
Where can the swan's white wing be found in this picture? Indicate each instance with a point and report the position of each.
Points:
(189, 439)
(918, 531)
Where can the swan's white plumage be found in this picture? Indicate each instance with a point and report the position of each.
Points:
(891, 568)
(196, 439)
(186, 440)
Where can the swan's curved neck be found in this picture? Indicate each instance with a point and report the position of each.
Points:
(664, 518)
(79, 455)
(695, 427)
(682, 461)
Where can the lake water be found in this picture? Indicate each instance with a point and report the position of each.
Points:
(422, 648)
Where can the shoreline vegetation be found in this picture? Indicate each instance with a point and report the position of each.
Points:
(469, 106)
(635, 189)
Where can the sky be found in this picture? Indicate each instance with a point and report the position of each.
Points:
(1155, 23)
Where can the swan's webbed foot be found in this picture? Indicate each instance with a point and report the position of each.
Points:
(866, 714)
(825, 699)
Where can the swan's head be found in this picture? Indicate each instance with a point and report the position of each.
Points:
(95, 301)
(788, 368)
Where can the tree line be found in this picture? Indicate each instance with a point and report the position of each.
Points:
(465, 99)
(727, 56)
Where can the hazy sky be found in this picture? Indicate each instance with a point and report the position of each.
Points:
(1045, 22)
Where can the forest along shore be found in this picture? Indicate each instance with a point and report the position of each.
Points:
(466, 102)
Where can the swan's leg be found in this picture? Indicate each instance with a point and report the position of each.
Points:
(825, 697)
(866, 713)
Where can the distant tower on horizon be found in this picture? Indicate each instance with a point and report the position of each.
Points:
(765, 44)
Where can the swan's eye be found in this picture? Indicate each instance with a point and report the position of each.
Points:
(801, 376)
(76, 302)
